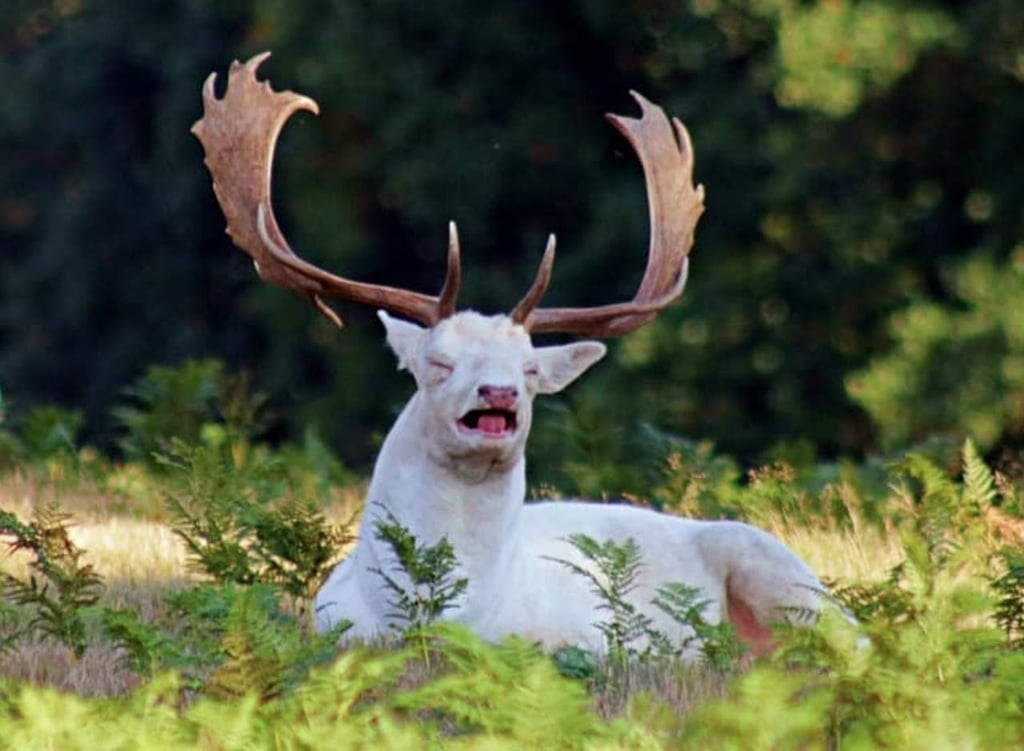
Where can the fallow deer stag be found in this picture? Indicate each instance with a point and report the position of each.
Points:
(453, 463)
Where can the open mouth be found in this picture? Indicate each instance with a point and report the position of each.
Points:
(492, 423)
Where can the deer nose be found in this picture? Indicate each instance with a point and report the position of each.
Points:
(498, 397)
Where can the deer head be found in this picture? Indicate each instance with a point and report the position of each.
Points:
(477, 377)
(477, 374)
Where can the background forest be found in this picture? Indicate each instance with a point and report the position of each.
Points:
(857, 282)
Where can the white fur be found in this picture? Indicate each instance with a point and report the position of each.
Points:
(439, 481)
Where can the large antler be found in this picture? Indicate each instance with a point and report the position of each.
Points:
(675, 207)
(239, 133)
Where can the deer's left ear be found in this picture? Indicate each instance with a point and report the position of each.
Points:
(403, 337)
(561, 365)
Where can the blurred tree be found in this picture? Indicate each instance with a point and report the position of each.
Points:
(854, 152)
(957, 369)
(112, 253)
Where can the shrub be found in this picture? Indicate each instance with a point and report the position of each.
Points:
(194, 401)
(243, 521)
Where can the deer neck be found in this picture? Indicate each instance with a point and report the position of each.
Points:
(475, 505)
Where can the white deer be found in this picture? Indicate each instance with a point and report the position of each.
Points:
(453, 464)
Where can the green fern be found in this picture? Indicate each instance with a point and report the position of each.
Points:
(717, 642)
(244, 521)
(630, 634)
(429, 570)
(147, 648)
(10, 628)
(979, 483)
(266, 651)
(193, 402)
(615, 573)
(936, 505)
(1009, 589)
(60, 586)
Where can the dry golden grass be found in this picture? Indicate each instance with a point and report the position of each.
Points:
(862, 555)
(101, 671)
(678, 685)
(137, 558)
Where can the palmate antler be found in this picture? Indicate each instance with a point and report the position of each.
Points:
(675, 208)
(239, 134)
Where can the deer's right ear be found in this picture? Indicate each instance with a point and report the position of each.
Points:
(403, 337)
(562, 364)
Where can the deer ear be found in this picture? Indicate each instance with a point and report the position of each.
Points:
(403, 337)
(561, 365)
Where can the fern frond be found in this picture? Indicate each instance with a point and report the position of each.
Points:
(429, 570)
(59, 587)
(979, 481)
(613, 575)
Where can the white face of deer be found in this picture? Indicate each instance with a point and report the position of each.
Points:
(477, 376)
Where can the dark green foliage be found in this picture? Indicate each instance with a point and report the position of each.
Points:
(201, 613)
(855, 279)
(147, 648)
(9, 626)
(426, 584)
(576, 662)
(59, 586)
(1009, 589)
(48, 431)
(265, 651)
(954, 365)
(45, 443)
(194, 401)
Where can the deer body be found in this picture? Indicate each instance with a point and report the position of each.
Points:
(440, 481)
(453, 464)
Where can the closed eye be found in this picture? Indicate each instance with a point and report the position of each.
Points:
(531, 371)
(441, 365)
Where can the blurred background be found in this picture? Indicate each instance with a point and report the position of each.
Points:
(857, 282)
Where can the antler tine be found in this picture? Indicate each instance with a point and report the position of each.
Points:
(521, 312)
(239, 134)
(666, 154)
(453, 277)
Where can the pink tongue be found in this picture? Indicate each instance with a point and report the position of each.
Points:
(491, 423)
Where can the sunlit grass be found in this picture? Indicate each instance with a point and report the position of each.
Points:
(866, 554)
